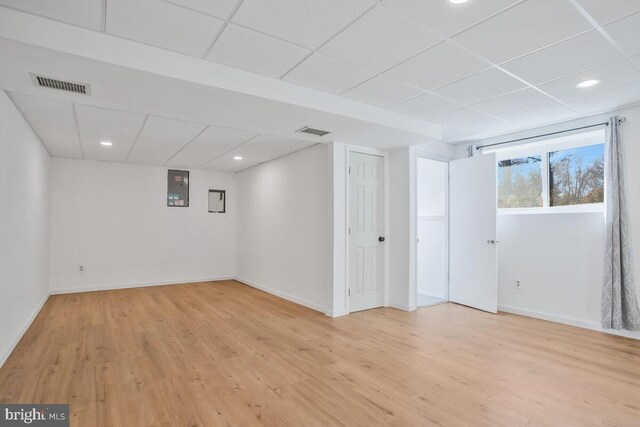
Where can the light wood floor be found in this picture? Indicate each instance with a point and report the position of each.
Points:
(222, 353)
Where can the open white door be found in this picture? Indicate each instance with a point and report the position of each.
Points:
(473, 252)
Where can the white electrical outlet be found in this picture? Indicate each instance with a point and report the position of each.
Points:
(518, 284)
(81, 269)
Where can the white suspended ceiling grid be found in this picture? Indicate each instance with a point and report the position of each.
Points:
(482, 67)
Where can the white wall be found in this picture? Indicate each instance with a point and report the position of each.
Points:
(558, 257)
(24, 226)
(402, 233)
(558, 260)
(113, 219)
(336, 297)
(283, 227)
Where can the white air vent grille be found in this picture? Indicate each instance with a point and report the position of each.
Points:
(313, 131)
(60, 84)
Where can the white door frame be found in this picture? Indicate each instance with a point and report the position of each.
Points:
(385, 156)
(446, 218)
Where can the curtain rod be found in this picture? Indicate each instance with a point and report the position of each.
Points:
(620, 120)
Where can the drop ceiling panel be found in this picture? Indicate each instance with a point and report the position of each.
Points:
(626, 32)
(383, 92)
(445, 17)
(426, 106)
(524, 28)
(516, 102)
(59, 136)
(263, 148)
(109, 118)
(611, 76)
(92, 134)
(85, 13)
(208, 145)
(482, 86)
(220, 8)
(162, 138)
(327, 74)
(461, 118)
(255, 52)
(562, 59)
(162, 24)
(438, 66)
(379, 40)
(606, 11)
(606, 101)
(100, 124)
(227, 164)
(306, 22)
(45, 108)
(297, 147)
(550, 114)
(477, 131)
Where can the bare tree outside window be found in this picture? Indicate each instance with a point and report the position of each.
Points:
(520, 182)
(576, 176)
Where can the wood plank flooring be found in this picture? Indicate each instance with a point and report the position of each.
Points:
(222, 353)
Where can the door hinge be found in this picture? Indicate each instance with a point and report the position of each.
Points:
(349, 170)
(349, 231)
(349, 292)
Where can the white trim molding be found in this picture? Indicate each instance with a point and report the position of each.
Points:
(401, 306)
(586, 324)
(136, 285)
(335, 313)
(283, 295)
(7, 352)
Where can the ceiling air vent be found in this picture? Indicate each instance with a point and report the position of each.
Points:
(60, 84)
(313, 131)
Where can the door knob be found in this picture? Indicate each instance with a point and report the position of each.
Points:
(492, 242)
(381, 239)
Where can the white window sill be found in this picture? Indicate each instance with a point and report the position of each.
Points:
(588, 208)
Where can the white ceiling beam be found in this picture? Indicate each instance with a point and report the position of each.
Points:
(34, 30)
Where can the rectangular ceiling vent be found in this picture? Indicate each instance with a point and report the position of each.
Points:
(74, 87)
(313, 131)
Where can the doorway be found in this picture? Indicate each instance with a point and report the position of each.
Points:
(366, 231)
(432, 260)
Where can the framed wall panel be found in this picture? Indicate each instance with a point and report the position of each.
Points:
(178, 188)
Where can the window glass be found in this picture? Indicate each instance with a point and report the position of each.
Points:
(576, 176)
(520, 182)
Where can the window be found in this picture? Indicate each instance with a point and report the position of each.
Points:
(556, 173)
(576, 176)
(520, 182)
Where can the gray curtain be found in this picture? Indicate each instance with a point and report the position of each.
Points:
(619, 305)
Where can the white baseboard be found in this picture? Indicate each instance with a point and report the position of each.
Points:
(401, 306)
(283, 295)
(335, 313)
(595, 326)
(6, 353)
(135, 285)
(431, 295)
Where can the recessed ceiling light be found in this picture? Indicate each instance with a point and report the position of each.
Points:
(237, 157)
(106, 143)
(587, 83)
(458, 1)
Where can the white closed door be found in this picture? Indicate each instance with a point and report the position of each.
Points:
(473, 252)
(366, 231)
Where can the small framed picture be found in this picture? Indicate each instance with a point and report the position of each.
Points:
(217, 201)
(178, 189)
